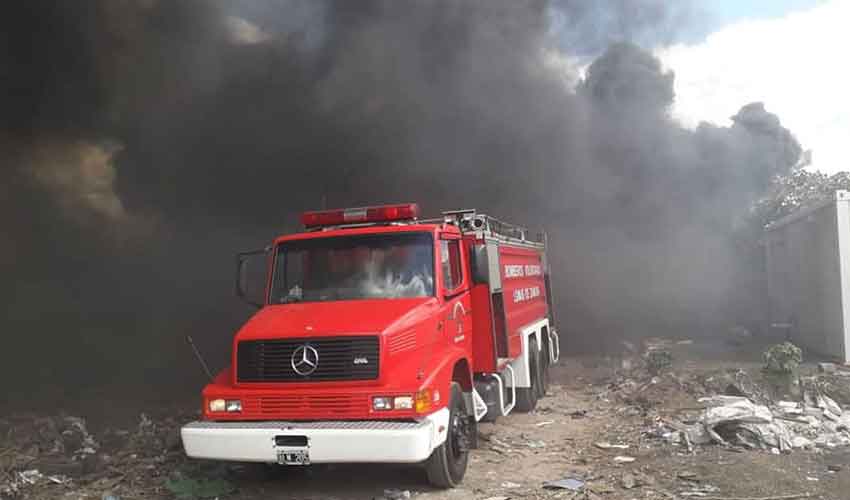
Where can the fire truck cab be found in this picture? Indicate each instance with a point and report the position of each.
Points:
(383, 337)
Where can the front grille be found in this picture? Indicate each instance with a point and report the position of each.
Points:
(306, 406)
(339, 358)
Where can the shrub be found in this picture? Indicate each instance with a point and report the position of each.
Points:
(782, 359)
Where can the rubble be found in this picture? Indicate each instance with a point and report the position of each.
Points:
(734, 382)
(604, 445)
(569, 483)
(536, 444)
(44, 456)
(631, 480)
(22, 480)
(786, 425)
(731, 408)
(396, 494)
(827, 367)
(835, 385)
(687, 476)
(699, 491)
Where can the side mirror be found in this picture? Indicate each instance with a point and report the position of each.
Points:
(479, 263)
(250, 285)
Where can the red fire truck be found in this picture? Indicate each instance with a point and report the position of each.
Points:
(382, 337)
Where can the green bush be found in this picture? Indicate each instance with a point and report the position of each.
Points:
(783, 358)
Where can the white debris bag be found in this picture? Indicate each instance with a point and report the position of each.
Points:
(740, 410)
(743, 422)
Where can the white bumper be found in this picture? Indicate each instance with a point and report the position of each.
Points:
(327, 442)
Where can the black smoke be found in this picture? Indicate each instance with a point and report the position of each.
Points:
(144, 142)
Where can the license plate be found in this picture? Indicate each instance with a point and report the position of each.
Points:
(293, 457)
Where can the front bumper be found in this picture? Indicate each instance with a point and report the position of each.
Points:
(327, 441)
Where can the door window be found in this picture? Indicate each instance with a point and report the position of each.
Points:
(450, 260)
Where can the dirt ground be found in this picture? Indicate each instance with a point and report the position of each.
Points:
(593, 401)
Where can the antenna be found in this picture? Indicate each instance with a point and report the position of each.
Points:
(200, 358)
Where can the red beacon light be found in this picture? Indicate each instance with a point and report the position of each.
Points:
(383, 213)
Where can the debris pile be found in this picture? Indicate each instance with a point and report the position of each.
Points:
(43, 456)
(835, 384)
(737, 421)
(59, 445)
(22, 480)
(44, 451)
(734, 382)
(776, 410)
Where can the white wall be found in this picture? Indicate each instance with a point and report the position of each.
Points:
(805, 283)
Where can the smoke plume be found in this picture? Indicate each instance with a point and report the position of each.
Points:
(146, 141)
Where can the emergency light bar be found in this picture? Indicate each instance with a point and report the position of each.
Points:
(383, 213)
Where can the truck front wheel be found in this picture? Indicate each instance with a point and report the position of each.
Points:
(447, 464)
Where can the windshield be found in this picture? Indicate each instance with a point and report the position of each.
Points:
(380, 266)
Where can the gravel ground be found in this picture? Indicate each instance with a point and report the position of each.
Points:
(592, 401)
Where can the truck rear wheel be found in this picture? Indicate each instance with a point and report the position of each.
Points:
(447, 464)
(526, 397)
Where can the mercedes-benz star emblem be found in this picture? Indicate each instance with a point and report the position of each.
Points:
(305, 360)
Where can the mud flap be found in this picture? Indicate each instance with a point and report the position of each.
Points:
(479, 406)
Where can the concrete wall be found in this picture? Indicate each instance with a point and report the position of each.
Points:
(808, 260)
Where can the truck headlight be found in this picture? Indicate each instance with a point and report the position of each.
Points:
(228, 405)
(217, 405)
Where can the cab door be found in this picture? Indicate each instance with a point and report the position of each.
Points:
(456, 313)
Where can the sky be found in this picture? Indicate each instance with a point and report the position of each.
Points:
(790, 54)
(722, 12)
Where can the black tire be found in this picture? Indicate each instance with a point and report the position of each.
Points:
(447, 464)
(490, 417)
(543, 376)
(526, 397)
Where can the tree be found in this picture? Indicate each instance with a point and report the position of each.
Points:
(799, 189)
